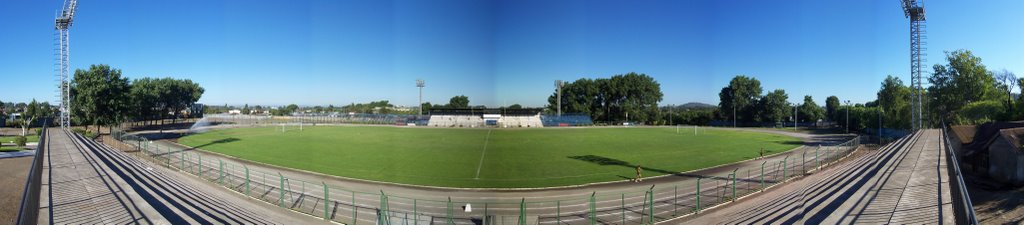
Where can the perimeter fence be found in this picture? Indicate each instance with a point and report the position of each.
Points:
(641, 205)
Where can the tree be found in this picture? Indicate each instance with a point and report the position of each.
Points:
(774, 106)
(459, 101)
(810, 111)
(832, 107)
(963, 80)
(29, 116)
(1007, 80)
(515, 106)
(291, 108)
(894, 97)
(739, 100)
(611, 99)
(245, 109)
(100, 96)
(426, 107)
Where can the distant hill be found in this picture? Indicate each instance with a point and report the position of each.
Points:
(691, 105)
(697, 105)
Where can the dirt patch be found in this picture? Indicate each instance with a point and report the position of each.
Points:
(13, 172)
(993, 204)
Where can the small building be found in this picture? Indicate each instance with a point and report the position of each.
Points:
(1006, 157)
(234, 111)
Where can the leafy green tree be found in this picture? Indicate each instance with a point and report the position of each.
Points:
(145, 95)
(810, 111)
(832, 107)
(426, 107)
(611, 99)
(28, 117)
(245, 109)
(894, 97)
(980, 112)
(100, 96)
(740, 99)
(515, 106)
(775, 106)
(963, 80)
(459, 102)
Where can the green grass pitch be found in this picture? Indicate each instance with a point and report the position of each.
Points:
(495, 158)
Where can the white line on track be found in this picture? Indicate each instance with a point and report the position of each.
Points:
(482, 153)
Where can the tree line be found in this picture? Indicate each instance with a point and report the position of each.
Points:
(102, 97)
(624, 97)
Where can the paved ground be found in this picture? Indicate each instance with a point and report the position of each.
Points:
(88, 183)
(905, 182)
(13, 172)
(557, 205)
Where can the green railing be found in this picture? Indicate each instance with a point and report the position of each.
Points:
(642, 205)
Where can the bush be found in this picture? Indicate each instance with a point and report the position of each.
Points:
(86, 133)
(981, 112)
(39, 132)
(20, 141)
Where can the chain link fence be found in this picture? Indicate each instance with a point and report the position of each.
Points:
(643, 205)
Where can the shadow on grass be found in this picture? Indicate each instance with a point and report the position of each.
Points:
(605, 161)
(221, 141)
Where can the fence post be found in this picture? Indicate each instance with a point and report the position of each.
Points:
(383, 218)
(803, 163)
(675, 200)
(448, 219)
(355, 211)
(416, 215)
(200, 165)
(734, 184)
(182, 154)
(485, 214)
(650, 207)
(221, 177)
(784, 167)
(558, 212)
(593, 208)
(817, 164)
(246, 179)
(698, 193)
(280, 191)
(326, 201)
(522, 212)
(762, 175)
(623, 207)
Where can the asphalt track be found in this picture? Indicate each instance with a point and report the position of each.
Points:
(359, 201)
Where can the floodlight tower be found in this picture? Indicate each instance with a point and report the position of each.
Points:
(63, 22)
(558, 86)
(914, 9)
(420, 83)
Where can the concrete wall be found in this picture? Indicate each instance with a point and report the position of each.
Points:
(1006, 164)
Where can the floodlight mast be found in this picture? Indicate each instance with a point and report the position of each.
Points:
(420, 84)
(558, 86)
(62, 23)
(914, 10)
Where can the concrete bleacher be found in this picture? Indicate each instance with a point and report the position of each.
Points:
(455, 121)
(520, 121)
(905, 182)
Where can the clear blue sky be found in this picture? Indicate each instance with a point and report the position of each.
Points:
(495, 52)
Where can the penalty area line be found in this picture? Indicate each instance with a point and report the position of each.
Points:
(482, 153)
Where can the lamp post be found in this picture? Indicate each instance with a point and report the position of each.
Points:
(847, 116)
(420, 83)
(879, 125)
(796, 116)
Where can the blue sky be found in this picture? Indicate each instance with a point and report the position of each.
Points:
(496, 52)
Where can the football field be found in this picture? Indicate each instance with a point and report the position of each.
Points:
(491, 158)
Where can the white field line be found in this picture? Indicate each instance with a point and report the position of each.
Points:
(482, 153)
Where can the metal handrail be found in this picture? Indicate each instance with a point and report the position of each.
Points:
(965, 198)
(28, 212)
